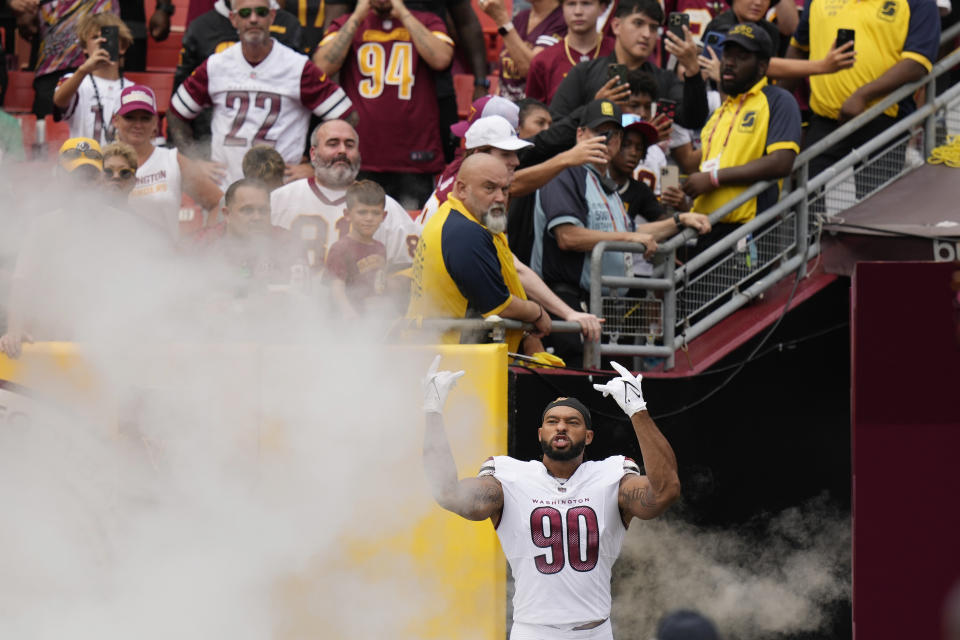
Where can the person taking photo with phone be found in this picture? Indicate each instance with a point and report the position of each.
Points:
(87, 98)
(896, 42)
(636, 24)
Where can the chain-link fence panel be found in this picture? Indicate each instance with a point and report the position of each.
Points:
(753, 256)
(630, 316)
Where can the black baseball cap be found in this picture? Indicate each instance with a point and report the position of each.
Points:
(752, 37)
(598, 112)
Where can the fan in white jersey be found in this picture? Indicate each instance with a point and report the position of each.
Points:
(541, 509)
(87, 98)
(163, 174)
(261, 93)
(313, 207)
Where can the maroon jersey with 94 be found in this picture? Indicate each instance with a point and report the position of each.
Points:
(393, 90)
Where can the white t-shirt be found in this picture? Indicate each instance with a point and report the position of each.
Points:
(158, 191)
(83, 114)
(267, 103)
(561, 540)
(315, 214)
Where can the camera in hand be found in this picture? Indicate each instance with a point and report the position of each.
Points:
(618, 71)
(844, 36)
(676, 22)
(111, 34)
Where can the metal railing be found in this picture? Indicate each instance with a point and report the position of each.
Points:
(676, 304)
(680, 303)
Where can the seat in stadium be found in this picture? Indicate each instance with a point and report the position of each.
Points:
(56, 134)
(161, 83)
(28, 133)
(163, 56)
(19, 98)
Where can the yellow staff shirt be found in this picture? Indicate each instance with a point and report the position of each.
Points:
(461, 270)
(746, 127)
(886, 32)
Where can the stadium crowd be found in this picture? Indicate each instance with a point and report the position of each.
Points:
(323, 146)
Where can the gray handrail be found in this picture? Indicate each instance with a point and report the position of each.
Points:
(806, 155)
(792, 203)
(670, 276)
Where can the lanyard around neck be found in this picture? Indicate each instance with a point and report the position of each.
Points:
(726, 139)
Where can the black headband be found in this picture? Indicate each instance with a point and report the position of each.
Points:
(573, 403)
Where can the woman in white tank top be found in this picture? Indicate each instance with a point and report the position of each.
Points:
(163, 174)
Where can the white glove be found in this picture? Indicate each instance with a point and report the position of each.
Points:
(625, 390)
(436, 387)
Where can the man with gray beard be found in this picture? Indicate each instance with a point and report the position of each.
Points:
(464, 267)
(312, 208)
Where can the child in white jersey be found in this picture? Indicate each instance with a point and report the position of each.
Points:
(88, 98)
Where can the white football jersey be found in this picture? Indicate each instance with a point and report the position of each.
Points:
(84, 112)
(561, 540)
(315, 215)
(267, 103)
(158, 191)
(649, 169)
(433, 202)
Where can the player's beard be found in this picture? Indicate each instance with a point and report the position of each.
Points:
(571, 452)
(335, 174)
(495, 218)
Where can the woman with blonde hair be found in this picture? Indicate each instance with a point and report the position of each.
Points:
(163, 174)
(119, 172)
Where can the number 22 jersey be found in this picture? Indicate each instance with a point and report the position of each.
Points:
(393, 90)
(267, 103)
(561, 540)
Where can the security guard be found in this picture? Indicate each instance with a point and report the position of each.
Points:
(753, 136)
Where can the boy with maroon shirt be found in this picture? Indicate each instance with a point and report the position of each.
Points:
(356, 263)
(582, 43)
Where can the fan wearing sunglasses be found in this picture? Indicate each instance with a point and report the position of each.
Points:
(119, 172)
(261, 93)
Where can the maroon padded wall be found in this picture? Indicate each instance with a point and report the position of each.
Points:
(906, 448)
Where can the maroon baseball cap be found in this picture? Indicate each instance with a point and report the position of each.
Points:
(138, 97)
(488, 106)
(631, 122)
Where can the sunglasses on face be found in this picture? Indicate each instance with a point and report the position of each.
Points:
(123, 174)
(73, 154)
(262, 12)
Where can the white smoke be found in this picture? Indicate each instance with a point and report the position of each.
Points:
(784, 574)
(192, 482)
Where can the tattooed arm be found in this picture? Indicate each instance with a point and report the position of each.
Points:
(472, 498)
(334, 47)
(648, 496)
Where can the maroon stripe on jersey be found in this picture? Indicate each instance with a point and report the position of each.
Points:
(312, 183)
(315, 89)
(196, 88)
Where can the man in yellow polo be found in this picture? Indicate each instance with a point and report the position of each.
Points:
(464, 268)
(896, 43)
(753, 136)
